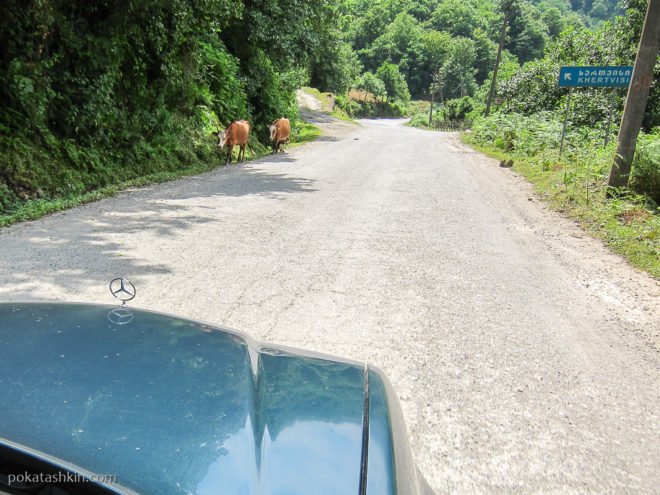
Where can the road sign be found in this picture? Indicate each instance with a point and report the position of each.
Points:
(595, 76)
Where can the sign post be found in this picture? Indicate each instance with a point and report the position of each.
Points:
(563, 129)
(591, 77)
(609, 119)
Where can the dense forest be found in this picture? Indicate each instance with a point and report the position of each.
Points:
(103, 91)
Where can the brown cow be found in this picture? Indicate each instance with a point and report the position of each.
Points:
(279, 134)
(236, 134)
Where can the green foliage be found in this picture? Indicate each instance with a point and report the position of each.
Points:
(407, 33)
(304, 133)
(418, 36)
(456, 17)
(455, 110)
(373, 109)
(335, 67)
(103, 91)
(539, 136)
(8, 199)
(458, 71)
(485, 54)
(394, 83)
(527, 33)
(534, 88)
(420, 119)
(450, 115)
(576, 183)
(527, 135)
(371, 83)
(595, 11)
(646, 167)
(99, 92)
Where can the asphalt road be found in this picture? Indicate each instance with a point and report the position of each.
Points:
(524, 354)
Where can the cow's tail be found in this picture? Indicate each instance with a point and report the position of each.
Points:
(250, 147)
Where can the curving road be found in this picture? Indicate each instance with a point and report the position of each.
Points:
(525, 355)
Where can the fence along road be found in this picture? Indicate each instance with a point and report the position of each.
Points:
(525, 355)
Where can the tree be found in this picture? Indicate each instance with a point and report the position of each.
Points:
(395, 84)
(554, 22)
(527, 32)
(335, 66)
(396, 43)
(435, 50)
(457, 17)
(435, 46)
(459, 68)
(485, 52)
(534, 87)
(370, 26)
(100, 91)
(370, 83)
(455, 110)
(491, 93)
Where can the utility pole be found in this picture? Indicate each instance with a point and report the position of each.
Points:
(491, 94)
(434, 78)
(638, 94)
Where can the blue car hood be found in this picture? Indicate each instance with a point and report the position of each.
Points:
(172, 406)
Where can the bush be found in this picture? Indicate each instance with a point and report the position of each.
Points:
(646, 167)
(8, 198)
(420, 120)
(528, 135)
(373, 109)
(533, 136)
(371, 84)
(455, 110)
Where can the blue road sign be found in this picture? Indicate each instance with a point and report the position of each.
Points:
(595, 76)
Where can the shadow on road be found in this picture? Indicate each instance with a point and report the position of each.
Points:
(316, 116)
(277, 158)
(90, 245)
(248, 180)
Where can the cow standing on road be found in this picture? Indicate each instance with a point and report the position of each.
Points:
(236, 134)
(280, 131)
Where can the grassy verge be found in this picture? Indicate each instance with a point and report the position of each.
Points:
(304, 133)
(37, 208)
(33, 209)
(575, 185)
(419, 115)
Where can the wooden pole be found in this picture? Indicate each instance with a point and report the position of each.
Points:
(491, 93)
(638, 94)
(433, 82)
(563, 130)
(609, 118)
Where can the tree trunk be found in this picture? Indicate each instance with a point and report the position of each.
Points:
(491, 93)
(433, 82)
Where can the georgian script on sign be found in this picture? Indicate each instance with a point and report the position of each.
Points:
(595, 76)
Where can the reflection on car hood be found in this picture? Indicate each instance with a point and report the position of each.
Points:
(174, 406)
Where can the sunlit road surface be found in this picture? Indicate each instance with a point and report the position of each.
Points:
(524, 354)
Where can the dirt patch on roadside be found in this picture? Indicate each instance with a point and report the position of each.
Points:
(307, 101)
(310, 111)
